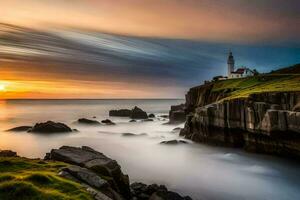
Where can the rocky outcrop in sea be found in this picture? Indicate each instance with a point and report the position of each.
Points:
(135, 113)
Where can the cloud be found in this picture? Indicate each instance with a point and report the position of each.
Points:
(239, 21)
(143, 65)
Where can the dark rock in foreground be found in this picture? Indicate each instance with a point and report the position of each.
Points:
(8, 153)
(120, 113)
(108, 122)
(142, 191)
(106, 169)
(151, 115)
(88, 121)
(20, 129)
(174, 142)
(137, 113)
(86, 176)
(50, 127)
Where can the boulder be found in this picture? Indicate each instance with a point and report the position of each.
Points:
(120, 113)
(50, 127)
(108, 122)
(133, 120)
(88, 121)
(142, 191)
(177, 113)
(168, 195)
(97, 162)
(151, 115)
(137, 113)
(20, 129)
(177, 116)
(172, 142)
(8, 153)
(86, 176)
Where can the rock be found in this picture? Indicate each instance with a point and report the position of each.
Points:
(108, 122)
(94, 117)
(88, 121)
(167, 195)
(137, 113)
(148, 120)
(128, 134)
(20, 129)
(97, 162)
(132, 134)
(172, 142)
(264, 122)
(138, 187)
(50, 127)
(177, 113)
(164, 116)
(98, 195)
(151, 115)
(296, 108)
(8, 153)
(177, 129)
(133, 120)
(142, 191)
(87, 176)
(120, 113)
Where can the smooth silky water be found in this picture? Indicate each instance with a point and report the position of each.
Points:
(201, 171)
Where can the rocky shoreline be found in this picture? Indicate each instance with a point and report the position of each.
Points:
(266, 122)
(100, 175)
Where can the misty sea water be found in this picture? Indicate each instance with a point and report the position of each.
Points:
(198, 170)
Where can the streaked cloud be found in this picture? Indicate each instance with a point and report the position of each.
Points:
(239, 21)
(77, 63)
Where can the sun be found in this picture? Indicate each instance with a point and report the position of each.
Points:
(2, 87)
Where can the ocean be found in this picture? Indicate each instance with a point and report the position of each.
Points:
(198, 170)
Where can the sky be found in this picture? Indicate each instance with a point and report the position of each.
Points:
(138, 48)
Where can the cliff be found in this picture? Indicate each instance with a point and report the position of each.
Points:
(260, 115)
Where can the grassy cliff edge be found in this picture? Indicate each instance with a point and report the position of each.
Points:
(35, 179)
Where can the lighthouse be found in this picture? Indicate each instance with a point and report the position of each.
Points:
(230, 63)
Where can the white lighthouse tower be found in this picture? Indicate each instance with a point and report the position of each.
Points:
(230, 63)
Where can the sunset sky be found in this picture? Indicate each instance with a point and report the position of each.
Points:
(138, 48)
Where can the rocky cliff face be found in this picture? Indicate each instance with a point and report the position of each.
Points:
(196, 97)
(264, 122)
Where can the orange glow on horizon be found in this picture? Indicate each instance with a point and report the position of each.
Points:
(33, 84)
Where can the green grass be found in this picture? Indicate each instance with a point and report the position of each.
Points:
(243, 87)
(32, 179)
